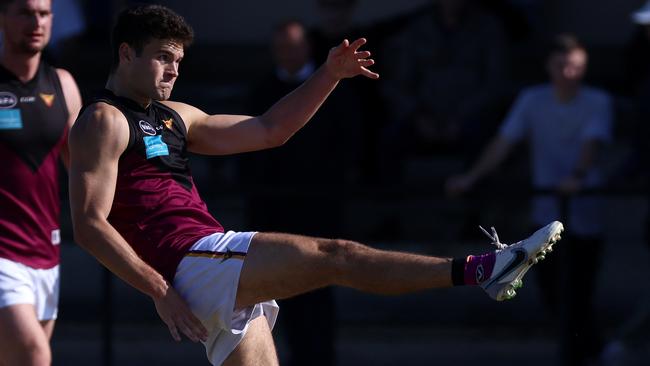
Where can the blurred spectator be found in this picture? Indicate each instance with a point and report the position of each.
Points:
(298, 187)
(336, 22)
(564, 123)
(444, 74)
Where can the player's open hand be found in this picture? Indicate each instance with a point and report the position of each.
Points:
(346, 61)
(175, 312)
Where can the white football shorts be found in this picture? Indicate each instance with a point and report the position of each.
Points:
(207, 278)
(21, 284)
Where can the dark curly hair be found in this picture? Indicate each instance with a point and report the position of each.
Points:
(138, 25)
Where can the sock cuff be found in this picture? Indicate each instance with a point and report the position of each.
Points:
(458, 271)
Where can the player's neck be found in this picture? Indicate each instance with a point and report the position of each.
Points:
(119, 88)
(23, 66)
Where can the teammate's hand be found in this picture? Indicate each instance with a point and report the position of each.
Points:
(175, 312)
(346, 61)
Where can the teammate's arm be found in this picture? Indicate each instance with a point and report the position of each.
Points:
(96, 142)
(73, 103)
(229, 134)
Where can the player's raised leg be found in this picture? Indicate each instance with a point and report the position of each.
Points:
(283, 265)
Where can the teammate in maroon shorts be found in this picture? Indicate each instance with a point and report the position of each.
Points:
(137, 210)
(38, 104)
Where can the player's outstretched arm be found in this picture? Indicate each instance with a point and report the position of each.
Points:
(230, 134)
(96, 142)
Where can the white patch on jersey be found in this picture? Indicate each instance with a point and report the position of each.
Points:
(56, 237)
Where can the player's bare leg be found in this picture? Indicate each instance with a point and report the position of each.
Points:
(48, 328)
(257, 347)
(23, 340)
(278, 266)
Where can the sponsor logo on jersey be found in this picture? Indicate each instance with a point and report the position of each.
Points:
(10, 119)
(147, 128)
(48, 99)
(30, 99)
(168, 123)
(155, 146)
(7, 100)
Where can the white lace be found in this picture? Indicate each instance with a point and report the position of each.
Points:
(494, 237)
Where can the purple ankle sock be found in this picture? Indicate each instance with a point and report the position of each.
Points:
(479, 268)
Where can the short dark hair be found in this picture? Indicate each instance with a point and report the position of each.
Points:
(138, 25)
(565, 43)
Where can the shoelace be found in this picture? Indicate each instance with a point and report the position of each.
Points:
(494, 237)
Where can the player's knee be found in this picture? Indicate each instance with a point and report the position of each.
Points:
(340, 252)
(41, 356)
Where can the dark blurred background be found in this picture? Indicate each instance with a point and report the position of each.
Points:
(354, 172)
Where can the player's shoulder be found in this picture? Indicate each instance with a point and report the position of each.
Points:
(70, 90)
(64, 75)
(100, 125)
(102, 116)
(68, 83)
(101, 131)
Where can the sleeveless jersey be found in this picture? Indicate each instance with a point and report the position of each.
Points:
(33, 129)
(157, 207)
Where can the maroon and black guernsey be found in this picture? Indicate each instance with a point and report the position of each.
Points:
(157, 207)
(33, 129)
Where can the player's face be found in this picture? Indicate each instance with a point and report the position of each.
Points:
(567, 68)
(156, 69)
(27, 25)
